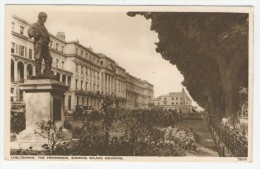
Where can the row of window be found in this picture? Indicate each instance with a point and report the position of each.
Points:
(56, 47)
(120, 85)
(131, 96)
(93, 74)
(61, 49)
(21, 50)
(120, 72)
(21, 31)
(57, 64)
(174, 98)
(88, 56)
(82, 100)
(165, 103)
(93, 87)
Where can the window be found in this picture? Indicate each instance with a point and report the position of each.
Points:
(101, 63)
(172, 98)
(76, 51)
(57, 46)
(25, 51)
(21, 30)
(77, 67)
(86, 71)
(81, 53)
(21, 49)
(17, 49)
(165, 98)
(13, 47)
(82, 100)
(172, 103)
(81, 69)
(30, 53)
(50, 44)
(62, 49)
(86, 55)
(76, 84)
(81, 85)
(69, 80)
(86, 86)
(12, 26)
(176, 98)
(62, 64)
(57, 62)
(69, 103)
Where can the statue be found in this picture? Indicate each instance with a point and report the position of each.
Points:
(41, 45)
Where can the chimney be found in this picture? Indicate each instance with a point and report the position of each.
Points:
(61, 35)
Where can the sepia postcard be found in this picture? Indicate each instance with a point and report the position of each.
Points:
(128, 83)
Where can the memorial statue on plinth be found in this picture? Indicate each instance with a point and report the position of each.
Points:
(43, 94)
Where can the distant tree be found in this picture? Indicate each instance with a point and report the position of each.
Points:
(210, 50)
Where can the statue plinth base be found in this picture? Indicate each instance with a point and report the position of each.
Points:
(44, 100)
(45, 76)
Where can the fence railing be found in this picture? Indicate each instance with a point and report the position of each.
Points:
(234, 140)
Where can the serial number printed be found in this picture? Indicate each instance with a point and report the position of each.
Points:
(242, 159)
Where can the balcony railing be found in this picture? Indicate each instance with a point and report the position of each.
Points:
(98, 94)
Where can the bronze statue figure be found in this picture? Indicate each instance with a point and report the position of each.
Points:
(41, 44)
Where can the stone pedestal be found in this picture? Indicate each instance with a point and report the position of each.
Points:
(44, 100)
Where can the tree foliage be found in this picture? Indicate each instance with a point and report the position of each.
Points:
(211, 52)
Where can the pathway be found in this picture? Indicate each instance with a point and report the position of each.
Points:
(206, 146)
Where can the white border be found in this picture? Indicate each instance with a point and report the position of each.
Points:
(97, 164)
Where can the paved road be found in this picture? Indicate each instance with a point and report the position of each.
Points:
(206, 146)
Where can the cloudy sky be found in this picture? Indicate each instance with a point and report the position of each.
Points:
(127, 40)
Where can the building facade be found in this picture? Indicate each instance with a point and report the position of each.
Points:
(138, 92)
(179, 101)
(90, 76)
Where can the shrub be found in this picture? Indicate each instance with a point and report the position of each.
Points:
(17, 121)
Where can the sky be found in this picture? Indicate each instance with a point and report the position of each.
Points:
(127, 40)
